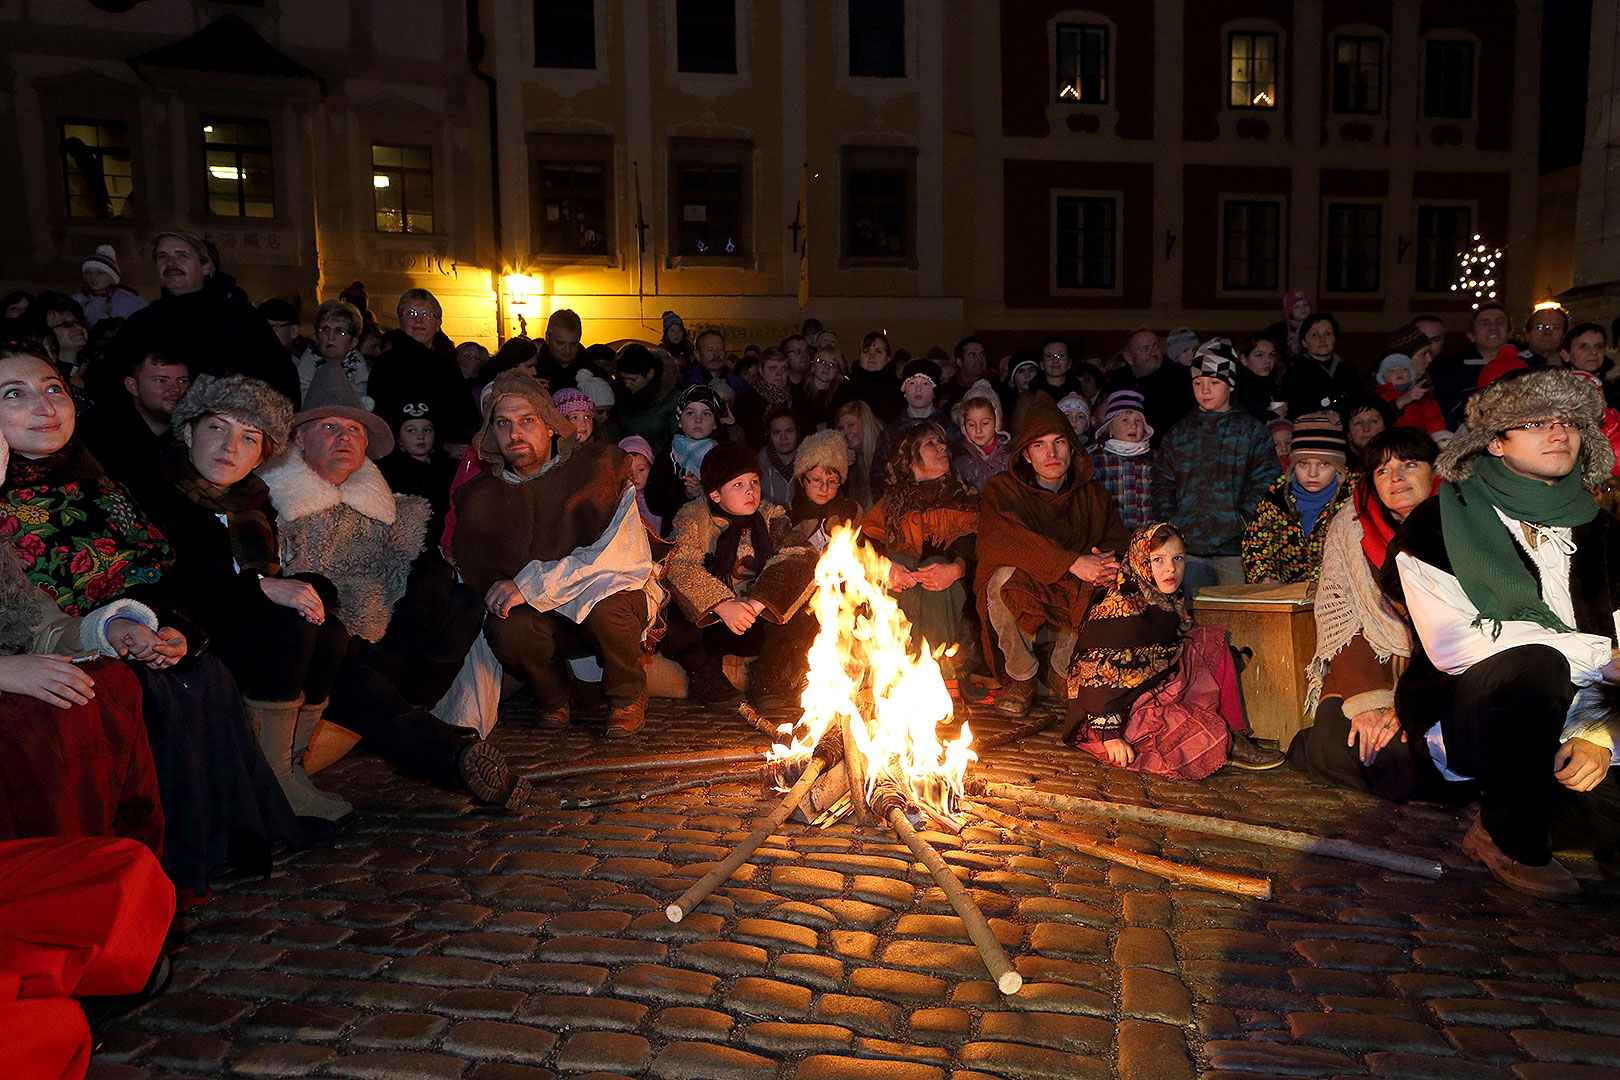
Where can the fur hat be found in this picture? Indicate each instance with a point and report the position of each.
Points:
(241, 398)
(1532, 394)
(105, 259)
(980, 393)
(516, 384)
(1216, 359)
(725, 463)
(331, 393)
(1180, 340)
(1320, 435)
(824, 449)
(595, 388)
(1117, 404)
(570, 401)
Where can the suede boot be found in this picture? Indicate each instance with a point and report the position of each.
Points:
(277, 724)
(318, 742)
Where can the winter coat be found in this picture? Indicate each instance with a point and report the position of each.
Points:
(1129, 482)
(924, 519)
(120, 303)
(1275, 545)
(1309, 385)
(1424, 413)
(976, 467)
(1208, 475)
(783, 584)
(410, 373)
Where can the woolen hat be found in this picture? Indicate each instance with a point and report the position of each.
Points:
(639, 360)
(331, 394)
(727, 461)
(1407, 340)
(1119, 403)
(1520, 397)
(1011, 375)
(1218, 360)
(1180, 340)
(1290, 300)
(517, 384)
(595, 388)
(241, 398)
(570, 401)
(1320, 435)
(824, 449)
(1078, 411)
(1390, 363)
(926, 368)
(702, 394)
(672, 319)
(105, 259)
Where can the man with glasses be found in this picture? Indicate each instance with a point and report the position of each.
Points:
(1544, 336)
(1511, 576)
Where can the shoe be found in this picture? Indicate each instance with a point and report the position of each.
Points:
(625, 720)
(1550, 882)
(99, 1010)
(1015, 697)
(1248, 754)
(554, 719)
(708, 685)
(489, 779)
(277, 723)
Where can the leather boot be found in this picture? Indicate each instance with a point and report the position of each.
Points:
(1015, 697)
(488, 777)
(318, 742)
(277, 723)
(625, 720)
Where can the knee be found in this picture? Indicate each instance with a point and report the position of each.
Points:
(1539, 677)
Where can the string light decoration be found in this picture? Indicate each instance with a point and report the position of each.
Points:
(1476, 272)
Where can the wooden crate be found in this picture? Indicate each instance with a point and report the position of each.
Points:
(1276, 626)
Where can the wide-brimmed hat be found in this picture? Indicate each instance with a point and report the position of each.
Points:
(1520, 397)
(331, 394)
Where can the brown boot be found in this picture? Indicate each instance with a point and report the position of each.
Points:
(277, 722)
(1550, 882)
(1015, 697)
(1248, 754)
(554, 719)
(625, 720)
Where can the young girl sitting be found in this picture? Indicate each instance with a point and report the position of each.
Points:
(1283, 542)
(1148, 690)
(986, 448)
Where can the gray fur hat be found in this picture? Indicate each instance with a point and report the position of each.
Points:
(241, 398)
(1520, 397)
(824, 449)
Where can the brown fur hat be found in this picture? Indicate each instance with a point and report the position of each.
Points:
(1520, 397)
(515, 383)
(241, 398)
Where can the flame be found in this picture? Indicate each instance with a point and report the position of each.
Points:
(864, 667)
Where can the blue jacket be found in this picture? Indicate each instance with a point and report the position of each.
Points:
(1209, 473)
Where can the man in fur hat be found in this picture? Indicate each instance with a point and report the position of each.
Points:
(1511, 576)
(552, 539)
(414, 622)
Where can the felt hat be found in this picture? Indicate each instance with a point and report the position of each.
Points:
(570, 401)
(1180, 340)
(924, 367)
(727, 461)
(1118, 404)
(331, 394)
(241, 398)
(1216, 359)
(1390, 363)
(824, 449)
(635, 444)
(516, 384)
(1320, 435)
(105, 259)
(1520, 397)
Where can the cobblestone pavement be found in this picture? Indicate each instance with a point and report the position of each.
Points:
(433, 940)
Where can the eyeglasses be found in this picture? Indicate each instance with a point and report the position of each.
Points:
(1056, 355)
(418, 313)
(826, 363)
(1548, 426)
(820, 485)
(1548, 326)
(333, 330)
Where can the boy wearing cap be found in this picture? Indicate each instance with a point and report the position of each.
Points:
(918, 382)
(675, 476)
(1284, 541)
(1210, 471)
(103, 295)
(1124, 458)
(740, 575)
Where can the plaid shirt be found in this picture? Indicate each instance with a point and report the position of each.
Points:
(1129, 480)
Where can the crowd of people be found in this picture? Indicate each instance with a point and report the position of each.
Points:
(232, 552)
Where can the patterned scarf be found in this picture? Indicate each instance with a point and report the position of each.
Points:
(784, 469)
(688, 453)
(773, 394)
(253, 544)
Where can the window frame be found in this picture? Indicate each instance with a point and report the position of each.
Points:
(1080, 30)
(897, 47)
(1444, 287)
(713, 155)
(65, 208)
(399, 174)
(570, 151)
(1342, 107)
(204, 123)
(1278, 204)
(1430, 46)
(1115, 201)
(586, 28)
(901, 161)
(1254, 36)
(683, 21)
(1330, 265)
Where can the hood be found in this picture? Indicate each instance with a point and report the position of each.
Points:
(1040, 420)
(509, 383)
(1531, 394)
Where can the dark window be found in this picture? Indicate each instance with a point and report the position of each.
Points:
(1252, 70)
(565, 33)
(710, 209)
(402, 186)
(1353, 242)
(1252, 246)
(96, 168)
(1448, 79)
(706, 36)
(877, 38)
(1086, 235)
(238, 162)
(1082, 64)
(572, 211)
(1443, 232)
(877, 210)
(1358, 75)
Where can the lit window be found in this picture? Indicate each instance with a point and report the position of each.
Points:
(1448, 79)
(1442, 233)
(1355, 233)
(1086, 242)
(402, 187)
(1358, 75)
(1082, 64)
(1252, 68)
(1251, 246)
(96, 168)
(239, 172)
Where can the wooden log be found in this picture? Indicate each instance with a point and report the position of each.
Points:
(1034, 727)
(647, 762)
(661, 789)
(1237, 830)
(855, 767)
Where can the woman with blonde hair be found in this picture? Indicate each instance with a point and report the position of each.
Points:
(815, 398)
(859, 427)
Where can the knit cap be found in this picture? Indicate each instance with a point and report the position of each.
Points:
(597, 389)
(1074, 407)
(1290, 300)
(1180, 340)
(824, 449)
(672, 319)
(725, 463)
(105, 259)
(571, 402)
(926, 368)
(702, 394)
(1217, 359)
(1389, 363)
(1117, 404)
(1407, 340)
(1320, 435)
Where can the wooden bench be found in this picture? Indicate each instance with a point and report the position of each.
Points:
(1275, 627)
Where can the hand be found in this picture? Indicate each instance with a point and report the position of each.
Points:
(694, 487)
(938, 577)
(55, 680)
(298, 595)
(900, 579)
(154, 648)
(502, 597)
(738, 615)
(171, 647)
(1098, 568)
(1372, 730)
(1119, 752)
(1580, 765)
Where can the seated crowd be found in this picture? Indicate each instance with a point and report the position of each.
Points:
(230, 553)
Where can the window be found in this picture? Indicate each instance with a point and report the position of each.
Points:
(706, 36)
(1354, 236)
(1252, 66)
(877, 38)
(878, 208)
(96, 168)
(710, 183)
(1442, 232)
(1086, 239)
(1251, 246)
(572, 217)
(1448, 79)
(237, 157)
(565, 33)
(1082, 64)
(1358, 75)
(402, 186)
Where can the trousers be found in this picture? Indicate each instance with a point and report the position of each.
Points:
(533, 645)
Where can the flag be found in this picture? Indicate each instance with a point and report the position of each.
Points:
(804, 243)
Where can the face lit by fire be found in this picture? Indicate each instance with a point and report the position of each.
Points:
(522, 437)
(1049, 456)
(738, 496)
(1167, 563)
(979, 424)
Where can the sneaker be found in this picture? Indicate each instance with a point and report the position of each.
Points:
(484, 770)
(1015, 697)
(1248, 754)
(1550, 882)
(625, 720)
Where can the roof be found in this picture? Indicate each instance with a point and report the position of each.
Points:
(229, 46)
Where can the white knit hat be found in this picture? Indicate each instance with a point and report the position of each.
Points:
(105, 259)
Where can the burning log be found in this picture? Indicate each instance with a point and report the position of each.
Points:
(827, 752)
(888, 803)
(1216, 880)
(649, 761)
(855, 768)
(1237, 830)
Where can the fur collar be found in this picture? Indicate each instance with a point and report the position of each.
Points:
(297, 491)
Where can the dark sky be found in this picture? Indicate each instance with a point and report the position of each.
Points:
(1565, 30)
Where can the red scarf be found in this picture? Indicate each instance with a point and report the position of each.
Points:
(1376, 528)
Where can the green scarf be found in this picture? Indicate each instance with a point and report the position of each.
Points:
(1485, 557)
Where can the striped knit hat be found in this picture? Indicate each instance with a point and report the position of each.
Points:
(1320, 435)
(1119, 402)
